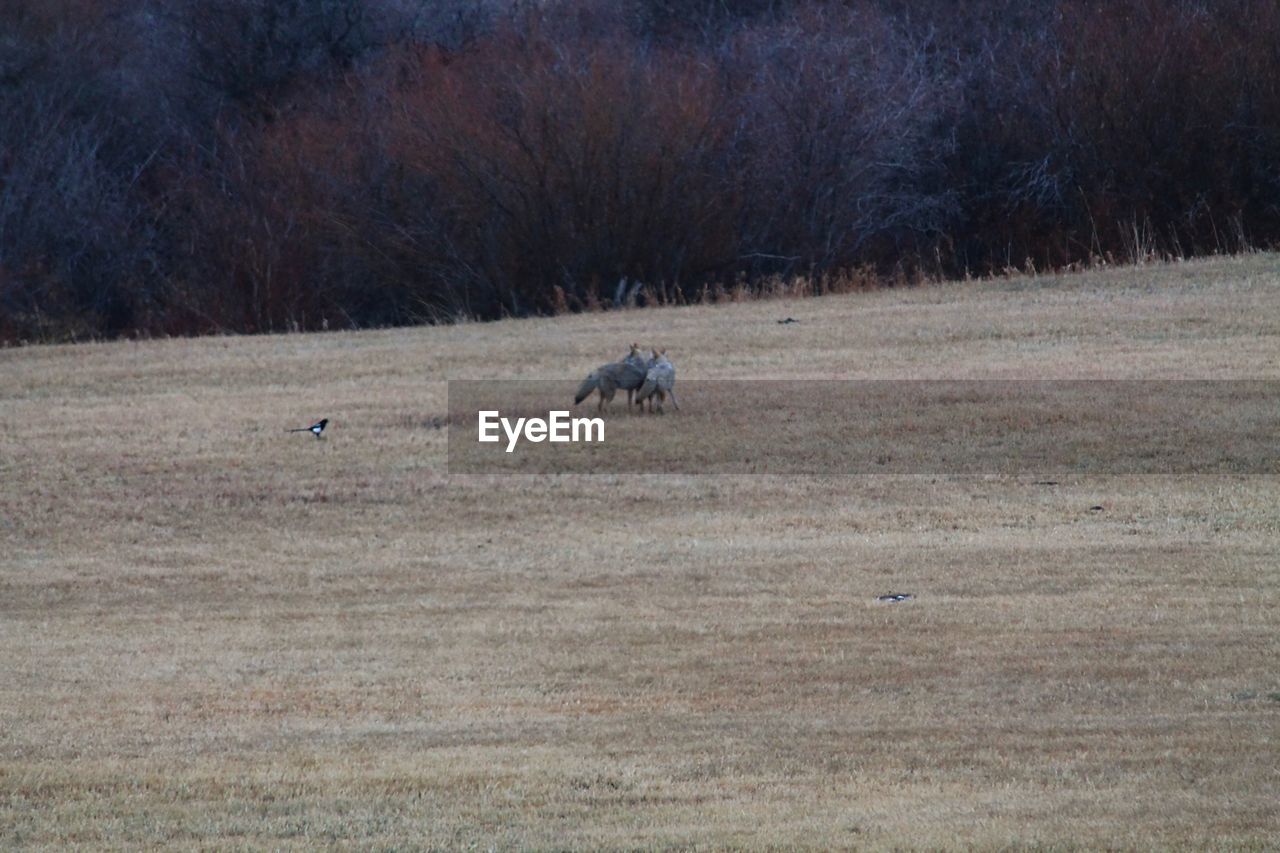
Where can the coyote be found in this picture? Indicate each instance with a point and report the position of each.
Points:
(627, 374)
(659, 381)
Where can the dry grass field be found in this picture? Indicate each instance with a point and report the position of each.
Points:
(214, 633)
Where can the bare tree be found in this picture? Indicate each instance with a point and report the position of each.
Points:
(837, 114)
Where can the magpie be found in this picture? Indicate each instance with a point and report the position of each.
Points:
(315, 429)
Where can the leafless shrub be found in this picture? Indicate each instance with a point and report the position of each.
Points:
(252, 165)
(836, 114)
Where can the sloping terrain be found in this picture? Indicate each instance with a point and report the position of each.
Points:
(212, 630)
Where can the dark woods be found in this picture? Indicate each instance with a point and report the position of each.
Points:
(193, 166)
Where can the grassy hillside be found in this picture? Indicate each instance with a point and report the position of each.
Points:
(210, 628)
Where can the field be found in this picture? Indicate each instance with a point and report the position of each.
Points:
(214, 632)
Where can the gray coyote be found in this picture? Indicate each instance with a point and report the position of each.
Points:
(659, 381)
(627, 374)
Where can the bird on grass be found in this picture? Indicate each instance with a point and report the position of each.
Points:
(315, 429)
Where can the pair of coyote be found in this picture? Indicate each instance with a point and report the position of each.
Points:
(651, 378)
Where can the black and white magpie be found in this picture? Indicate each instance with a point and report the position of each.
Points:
(315, 429)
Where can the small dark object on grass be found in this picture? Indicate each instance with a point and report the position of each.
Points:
(895, 597)
(1045, 483)
(1096, 508)
(788, 320)
(315, 429)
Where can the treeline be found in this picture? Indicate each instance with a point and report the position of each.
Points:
(191, 166)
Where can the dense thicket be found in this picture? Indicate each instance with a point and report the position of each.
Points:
(185, 166)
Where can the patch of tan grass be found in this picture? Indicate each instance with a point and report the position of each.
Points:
(215, 632)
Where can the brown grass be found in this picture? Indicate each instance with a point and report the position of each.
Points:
(212, 632)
